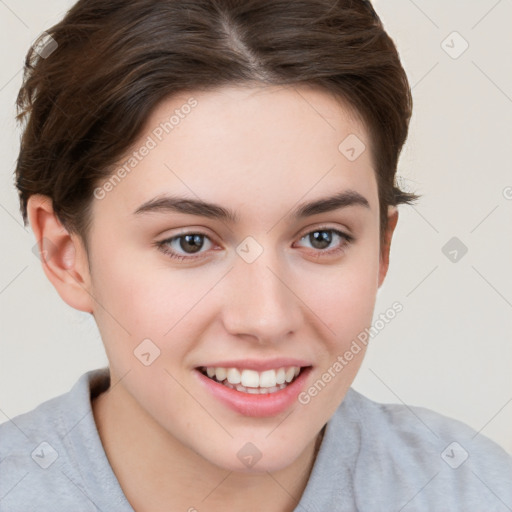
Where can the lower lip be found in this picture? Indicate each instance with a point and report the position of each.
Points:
(268, 404)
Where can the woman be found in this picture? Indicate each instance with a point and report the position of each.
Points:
(214, 181)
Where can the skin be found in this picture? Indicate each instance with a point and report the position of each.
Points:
(259, 151)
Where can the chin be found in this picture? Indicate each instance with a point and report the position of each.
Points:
(246, 457)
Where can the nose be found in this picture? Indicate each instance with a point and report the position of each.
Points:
(259, 301)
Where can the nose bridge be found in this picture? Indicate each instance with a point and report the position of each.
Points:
(260, 302)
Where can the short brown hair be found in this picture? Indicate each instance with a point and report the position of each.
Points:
(86, 103)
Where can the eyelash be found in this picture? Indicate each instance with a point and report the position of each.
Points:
(164, 247)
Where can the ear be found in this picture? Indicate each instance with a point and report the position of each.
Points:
(385, 249)
(63, 255)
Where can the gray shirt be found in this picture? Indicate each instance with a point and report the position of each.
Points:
(374, 457)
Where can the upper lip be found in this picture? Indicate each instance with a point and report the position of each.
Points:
(258, 365)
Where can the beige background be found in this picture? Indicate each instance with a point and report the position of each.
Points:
(450, 349)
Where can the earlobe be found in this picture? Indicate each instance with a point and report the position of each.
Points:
(385, 249)
(62, 254)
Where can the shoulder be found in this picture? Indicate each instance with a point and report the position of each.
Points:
(39, 456)
(434, 460)
(52, 420)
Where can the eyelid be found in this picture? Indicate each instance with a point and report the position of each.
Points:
(184, 232)
(305, 231)
(347, 238)
(346, 241)
(326, 227)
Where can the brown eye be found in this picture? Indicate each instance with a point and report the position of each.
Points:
(183, 246)
(323, 238)
(191, 242)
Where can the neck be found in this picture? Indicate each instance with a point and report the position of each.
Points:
(156, 472)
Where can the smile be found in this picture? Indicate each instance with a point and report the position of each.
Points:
(257, 388)
(252, 381)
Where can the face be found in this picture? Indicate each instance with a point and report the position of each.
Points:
(269, 292)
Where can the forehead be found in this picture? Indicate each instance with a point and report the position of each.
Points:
(246, 146)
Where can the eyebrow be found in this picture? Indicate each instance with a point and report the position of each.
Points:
(176, 204)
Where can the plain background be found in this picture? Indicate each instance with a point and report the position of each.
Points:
(450, 348)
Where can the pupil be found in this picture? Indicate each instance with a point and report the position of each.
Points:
(324, 239)
(193, 242)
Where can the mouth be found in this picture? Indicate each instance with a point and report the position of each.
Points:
(251, 381)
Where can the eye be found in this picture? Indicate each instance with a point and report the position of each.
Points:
(187, 246)
(323, 237)
(189, 243)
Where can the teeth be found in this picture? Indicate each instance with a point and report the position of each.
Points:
(290, 373)
(250, 378)
(233, 376)
(267, 379)
(220, 373)
(280, 376)
(251, 381)
(261, 391)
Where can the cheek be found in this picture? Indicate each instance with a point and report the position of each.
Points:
(347, 309)
(138, 300)
(142, 297)
(344, 298)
